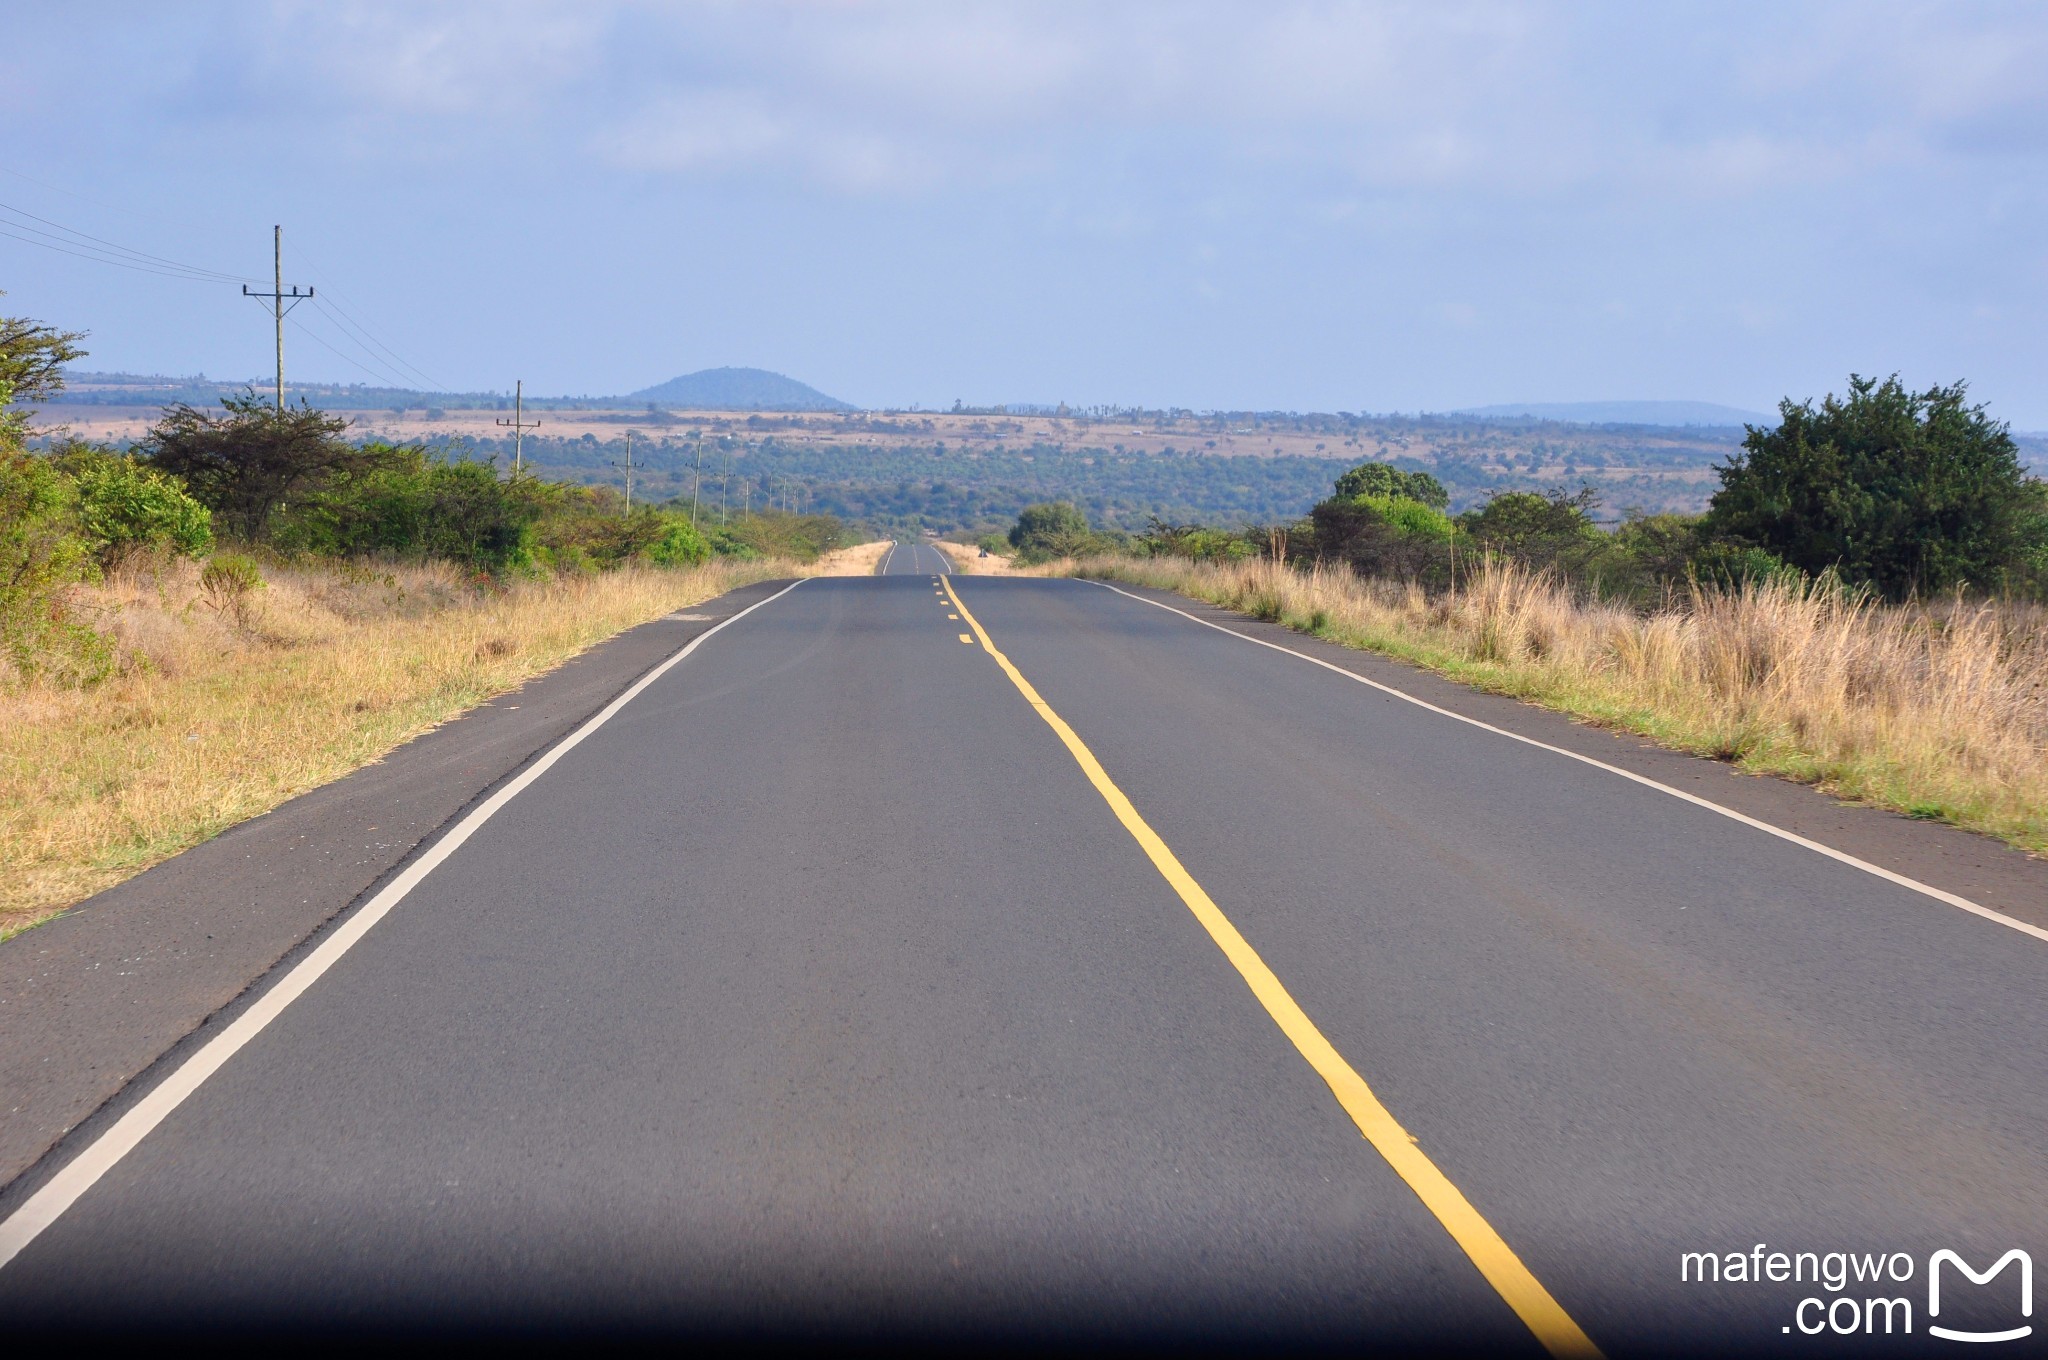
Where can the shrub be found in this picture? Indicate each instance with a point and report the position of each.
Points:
(1908, 491)
(126, 507)
(403, 501)
(248, 463)
(1385, 480)
(679, 546)
(42, 557)
(802, 538)
(1384, 536)
(1051, 529)
(1537, 530)
(229, 583)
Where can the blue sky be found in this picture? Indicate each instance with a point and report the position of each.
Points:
(1313, 206)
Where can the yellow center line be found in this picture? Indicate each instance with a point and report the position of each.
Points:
(1504, 1270)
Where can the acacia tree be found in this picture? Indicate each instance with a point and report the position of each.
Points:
(1383, 479)
(1051, 529)
(1908, 491)
(245, 463)
(32, 359)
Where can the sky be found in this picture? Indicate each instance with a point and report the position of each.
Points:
(1371, 207)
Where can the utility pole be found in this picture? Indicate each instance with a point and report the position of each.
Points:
(697, 483)
(278, 298)
(725, 486)
(629, 473)
(518, 425)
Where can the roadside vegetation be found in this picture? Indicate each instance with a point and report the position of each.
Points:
(247, 604)
(1860, 607)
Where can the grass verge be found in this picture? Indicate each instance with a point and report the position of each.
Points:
(224, 709)
(1936, 711)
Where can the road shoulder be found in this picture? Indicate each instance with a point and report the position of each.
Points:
(1976, 867)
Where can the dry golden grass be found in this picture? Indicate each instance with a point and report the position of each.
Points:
(968, 561)
(1938, 711)
(859, 560)
(213, 721)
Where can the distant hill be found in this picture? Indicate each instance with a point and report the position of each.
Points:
(740, 389)
(1626, 412)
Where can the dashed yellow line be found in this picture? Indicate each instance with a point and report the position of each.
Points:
(1512, 1280)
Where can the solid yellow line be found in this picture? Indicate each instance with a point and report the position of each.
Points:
(1496, 1260)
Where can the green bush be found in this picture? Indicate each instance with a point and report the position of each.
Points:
(1383, 480)
(402, 501)
(230, 583)
(802, 538)
(1384, 536)
(1538, 530)
(1907, 491)
(1051, 529)
(251, 462)
(126, 507)
(679, 546)
(42, 556)
(1733, 565)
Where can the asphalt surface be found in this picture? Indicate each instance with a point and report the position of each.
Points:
(817, 994)
(93, 999)
(913, 559)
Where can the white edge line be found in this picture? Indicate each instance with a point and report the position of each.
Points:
(79, 1175)
(887, 558)
(1926, 889)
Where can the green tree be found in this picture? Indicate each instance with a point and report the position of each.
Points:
(245, 464)
(1554, 530)
(1384, 479)
(1051, 529)
(1908, 491)
(42, 556)
(126, 507)
(32, 359)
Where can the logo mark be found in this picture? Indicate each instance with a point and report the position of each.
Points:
(2026, 1264)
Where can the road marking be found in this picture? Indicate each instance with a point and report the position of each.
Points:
(79, 1175)
(1840, 856)
(954, 617)
(963, 637)
(887, 558)
(1512, 1280)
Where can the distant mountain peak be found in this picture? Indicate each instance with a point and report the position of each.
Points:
(1624, 413)
(739, 389)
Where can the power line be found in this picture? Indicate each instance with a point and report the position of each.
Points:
(374, 341)
(99, 244)
(398, 378)
(386, 363)
(357, 364)
(100, 258)
(366, 340)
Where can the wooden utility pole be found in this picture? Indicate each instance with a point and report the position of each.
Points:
(518, 425)
(629, 473)
(278, 298)
(697, 483)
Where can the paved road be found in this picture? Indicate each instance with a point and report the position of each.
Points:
(826, 990)
(913, 559)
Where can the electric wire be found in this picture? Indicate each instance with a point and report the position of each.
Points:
(386, 364)
(71, 236)
(348, 320)
(102, 259)
(364, 336)
(380, 374)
